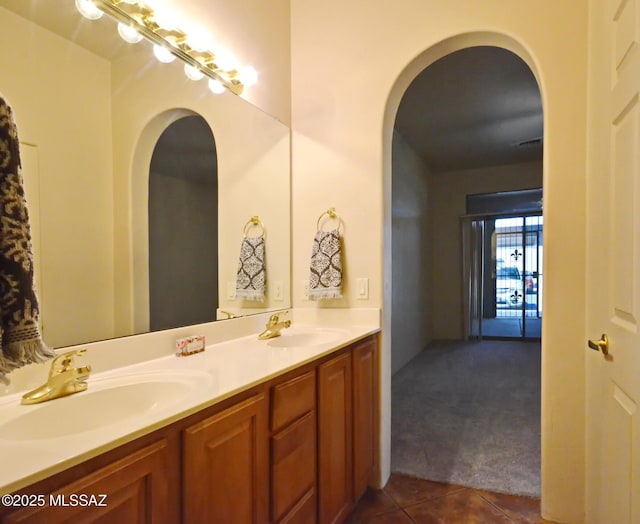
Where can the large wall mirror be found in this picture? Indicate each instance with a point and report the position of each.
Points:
(126, 160)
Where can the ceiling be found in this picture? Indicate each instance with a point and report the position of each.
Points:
(473, 108)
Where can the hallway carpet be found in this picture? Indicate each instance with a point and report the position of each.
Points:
(469, 414)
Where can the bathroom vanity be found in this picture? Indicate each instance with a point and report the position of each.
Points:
(299, 445)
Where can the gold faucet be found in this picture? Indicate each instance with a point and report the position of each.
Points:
(64, 379)
(274, 326)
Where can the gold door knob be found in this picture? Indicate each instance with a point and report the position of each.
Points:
(600, 345)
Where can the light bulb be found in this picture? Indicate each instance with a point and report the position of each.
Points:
(164, 18)
(129, 33)
(88, 9)
(248, 75)
(225, 60)
(216, 86)
(193, 73)
(199, 40)
(163, 54)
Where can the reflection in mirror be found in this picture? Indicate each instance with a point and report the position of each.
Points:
(183, 226)
(90, 109)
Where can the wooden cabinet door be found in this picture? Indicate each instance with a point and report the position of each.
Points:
(293, 471)
(365, 409)
(226, 466)
(334, 439)
(137, 490)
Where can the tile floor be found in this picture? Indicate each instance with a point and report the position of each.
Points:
(407, 500)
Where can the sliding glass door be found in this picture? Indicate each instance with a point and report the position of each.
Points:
(503, 276)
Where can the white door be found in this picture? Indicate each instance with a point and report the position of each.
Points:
(613, 263)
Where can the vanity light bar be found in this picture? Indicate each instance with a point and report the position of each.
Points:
(141, 17)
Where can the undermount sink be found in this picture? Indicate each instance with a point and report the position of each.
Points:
(107, 401)
(306, 337)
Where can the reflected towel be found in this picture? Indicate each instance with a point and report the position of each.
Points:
(326, 266)
(251, 277)
(19, 329)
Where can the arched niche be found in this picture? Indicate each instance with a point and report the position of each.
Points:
(140, 180)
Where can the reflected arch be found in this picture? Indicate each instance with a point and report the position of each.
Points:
(150, 136)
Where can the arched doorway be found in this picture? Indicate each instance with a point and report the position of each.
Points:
(428, 57)
(455, 153)
(187, 158)
(183, 226)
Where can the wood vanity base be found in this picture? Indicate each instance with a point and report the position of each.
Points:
(299, 448)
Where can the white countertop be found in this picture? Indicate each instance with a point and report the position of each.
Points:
(204, 379)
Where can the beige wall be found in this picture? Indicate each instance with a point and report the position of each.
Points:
(412, 254)
(350, 65)
(52, 85)
(448, 205)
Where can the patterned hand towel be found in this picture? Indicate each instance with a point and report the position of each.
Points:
(19, 310)
(326, 266)
(251, 278)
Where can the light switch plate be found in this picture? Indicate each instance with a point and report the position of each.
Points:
(362, 286)
(305, 289)
(231, 290)
(277, 291)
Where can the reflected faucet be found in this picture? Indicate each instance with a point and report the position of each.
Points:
(64, 379)
(274, 326)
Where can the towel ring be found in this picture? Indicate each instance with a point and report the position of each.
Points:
(332, 215)
(253, 222)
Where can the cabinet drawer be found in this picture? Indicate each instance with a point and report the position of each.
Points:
(293, 469)
(292, 399)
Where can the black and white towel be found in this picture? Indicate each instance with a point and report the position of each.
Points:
(326, 266)
(19, 310)
(251, 277)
